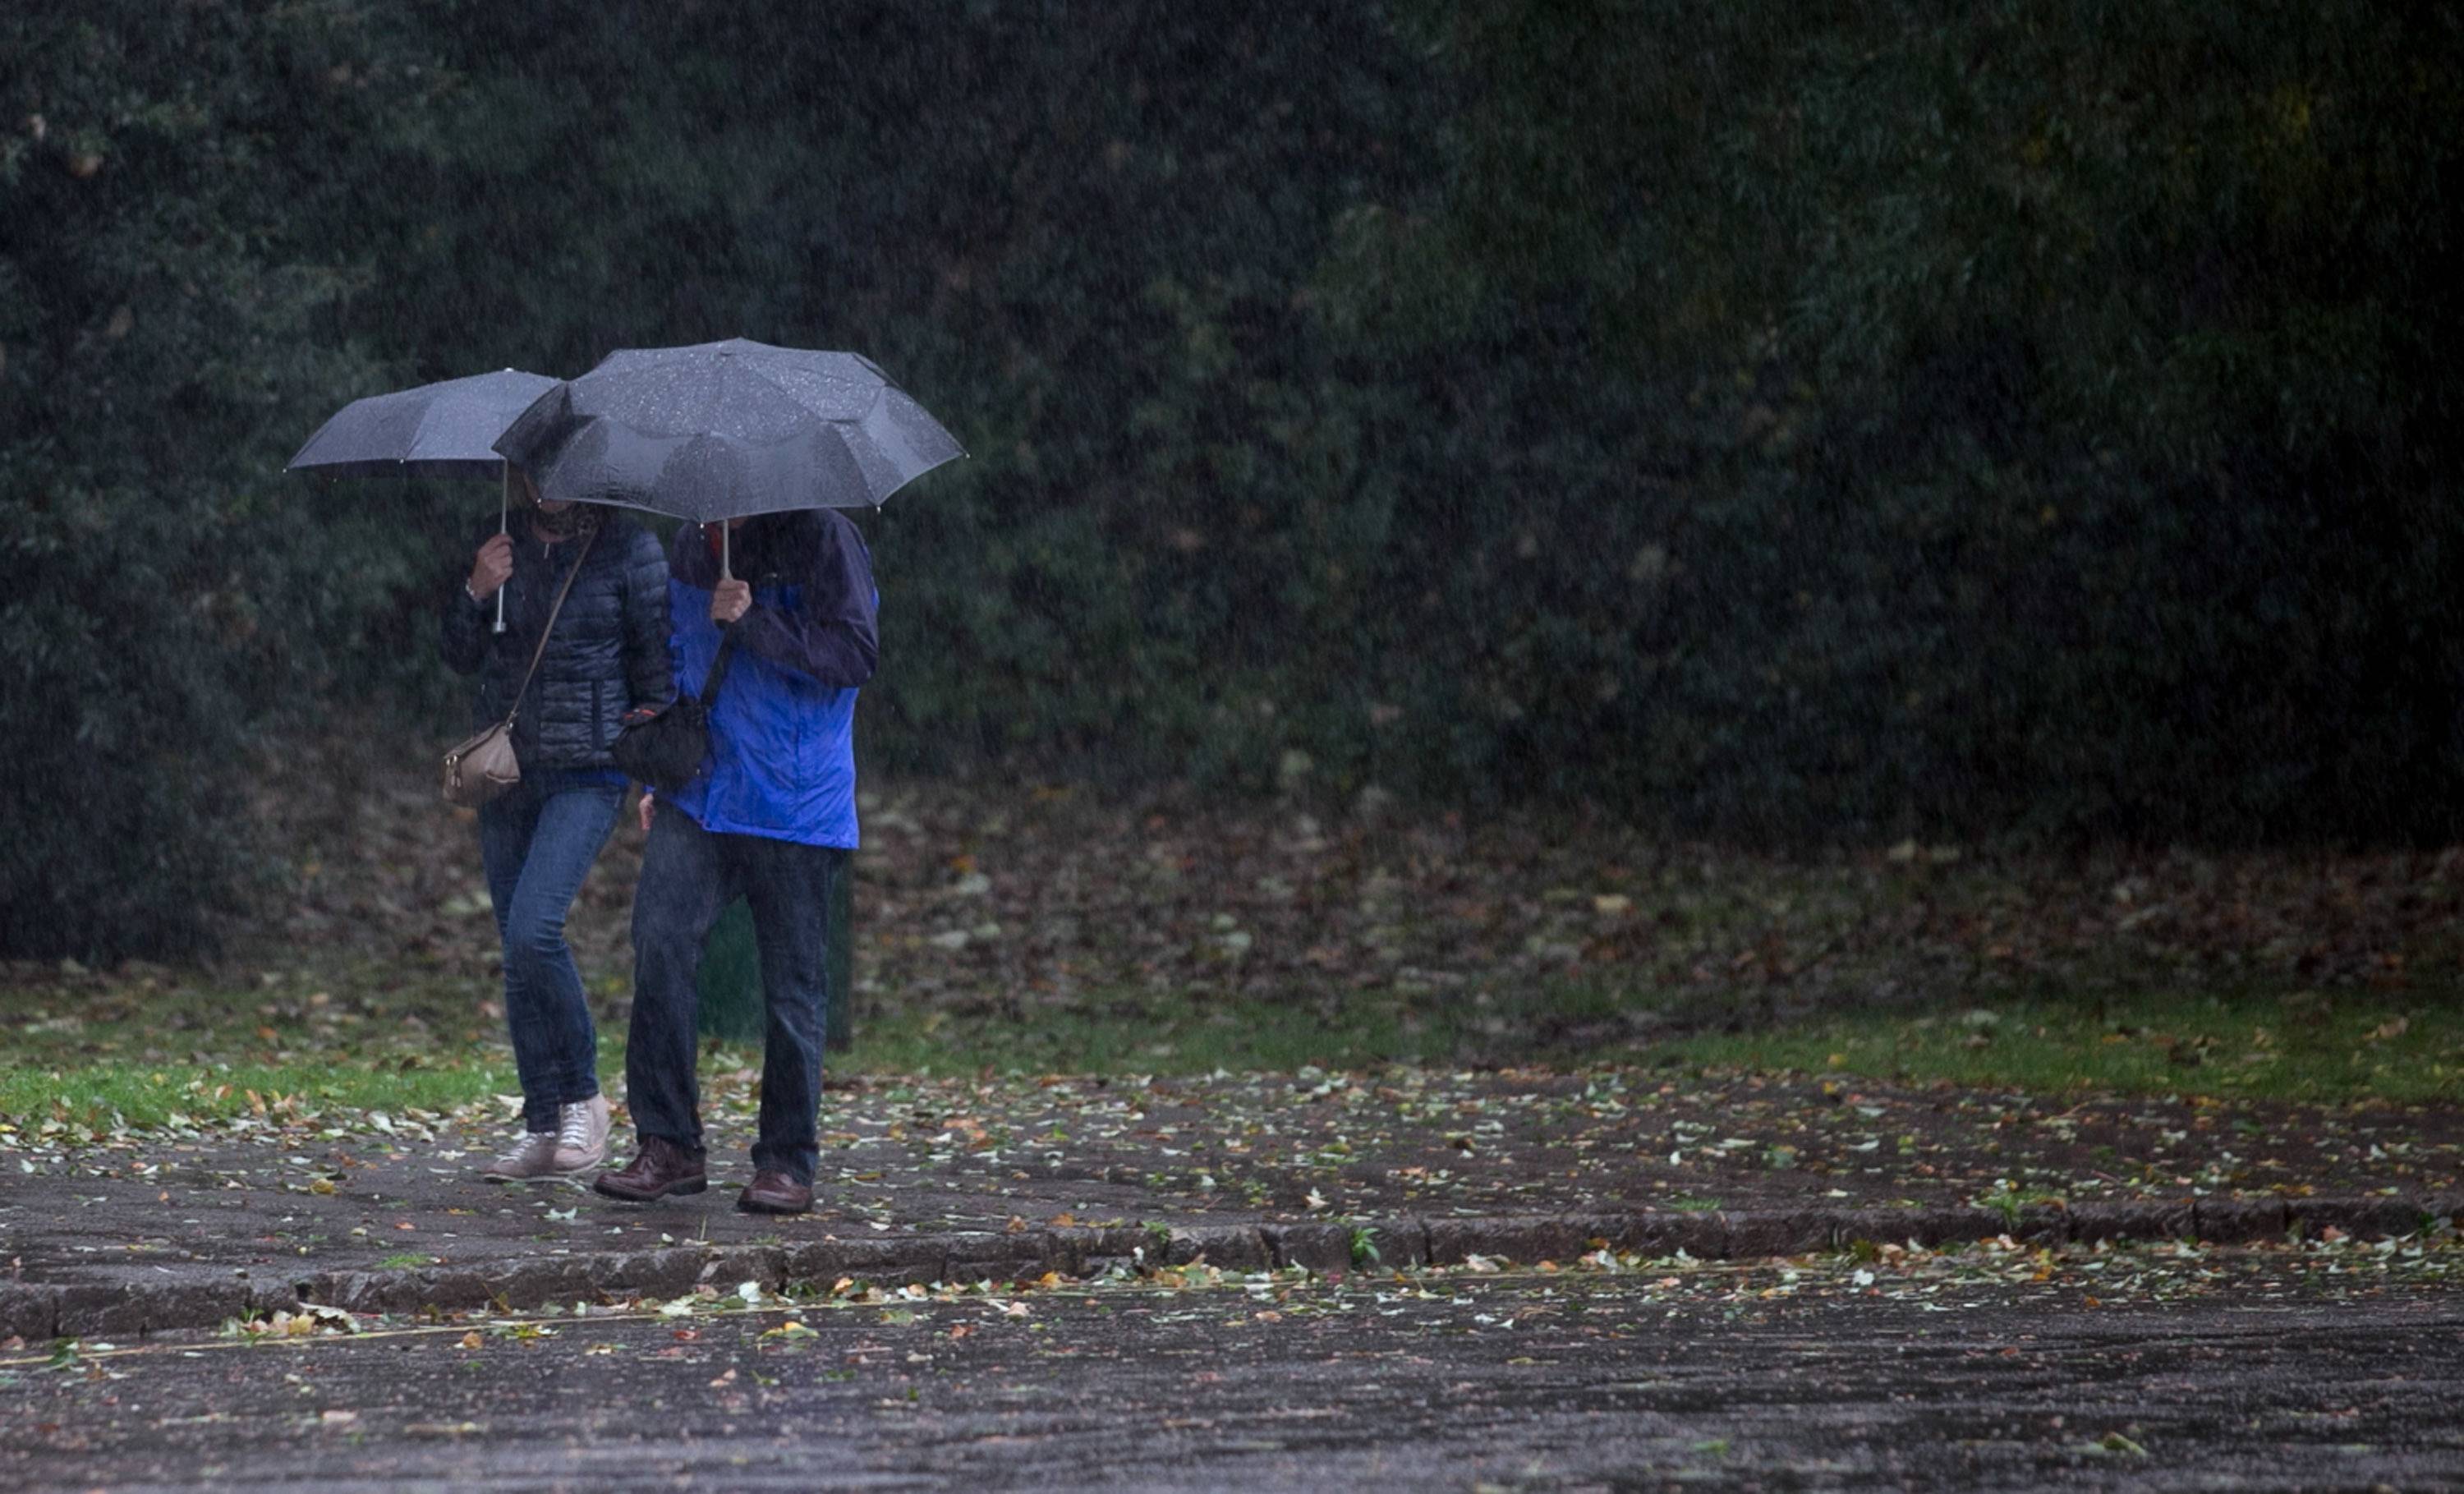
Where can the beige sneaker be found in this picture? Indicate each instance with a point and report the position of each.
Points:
(534, 1155)
(581, 1136)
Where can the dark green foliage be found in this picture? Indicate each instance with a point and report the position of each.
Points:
(2019, 415)
(1805, 422)
(165, 298)
(1086, 243)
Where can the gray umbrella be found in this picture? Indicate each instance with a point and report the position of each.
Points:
(726, 429)
(444, 429)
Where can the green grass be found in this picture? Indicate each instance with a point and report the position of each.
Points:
(2257, 1046)
(1129, 1037)
(90, 1094)
(150, 1058)
(1127, 1032)
(2300, 1048)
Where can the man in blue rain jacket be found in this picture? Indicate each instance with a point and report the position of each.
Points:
(771, 819)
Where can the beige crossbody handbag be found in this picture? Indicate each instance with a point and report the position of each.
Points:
(483, 765)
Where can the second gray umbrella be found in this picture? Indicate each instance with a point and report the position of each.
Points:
(721, 430)
(443, 430)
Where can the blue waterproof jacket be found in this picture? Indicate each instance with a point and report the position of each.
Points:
(783, 734)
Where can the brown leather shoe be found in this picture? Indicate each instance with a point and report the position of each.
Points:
(661, 1167)
(775, 1193)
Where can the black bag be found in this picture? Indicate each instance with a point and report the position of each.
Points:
(667, 750)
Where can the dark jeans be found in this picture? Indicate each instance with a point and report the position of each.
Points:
(539, 840)
(689, 877)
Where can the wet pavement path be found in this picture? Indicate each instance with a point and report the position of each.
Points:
(2324, 1366)
(183, 1227)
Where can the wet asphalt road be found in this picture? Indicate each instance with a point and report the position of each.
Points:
(2232, 1376)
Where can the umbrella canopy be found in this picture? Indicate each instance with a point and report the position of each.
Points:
(726, 429)
(446, 429)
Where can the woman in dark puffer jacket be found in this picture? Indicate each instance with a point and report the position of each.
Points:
(607, 655)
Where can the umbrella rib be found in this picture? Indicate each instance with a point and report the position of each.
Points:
(827, 420)
(881, 499)
(418, 433)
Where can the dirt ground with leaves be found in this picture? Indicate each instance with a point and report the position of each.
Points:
(1020, 896)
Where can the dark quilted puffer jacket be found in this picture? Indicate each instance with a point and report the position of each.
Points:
(608, 653)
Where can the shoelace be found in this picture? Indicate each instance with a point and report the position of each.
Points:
(574, 1131)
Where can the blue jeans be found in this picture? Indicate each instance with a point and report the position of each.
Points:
(537, 841)
(689, 877)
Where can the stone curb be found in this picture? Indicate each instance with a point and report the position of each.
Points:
(164, 1301)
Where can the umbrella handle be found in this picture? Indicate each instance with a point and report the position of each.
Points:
(724, 536)
(504, 525)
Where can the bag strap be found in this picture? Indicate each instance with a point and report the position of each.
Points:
(719, 661)
(539, 652)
